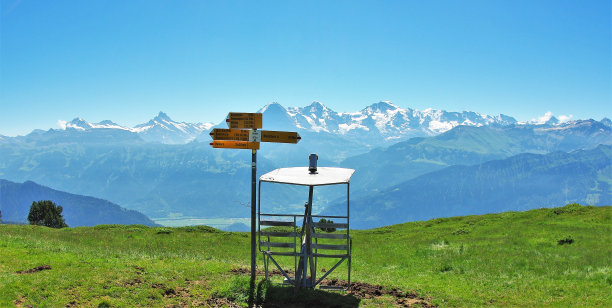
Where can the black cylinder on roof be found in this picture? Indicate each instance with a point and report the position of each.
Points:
(312, 166)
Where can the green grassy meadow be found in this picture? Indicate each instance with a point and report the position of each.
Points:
(545, 257)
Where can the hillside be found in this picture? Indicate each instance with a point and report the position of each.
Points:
(465, 145)
(544, 257)
(521, 182)
(16, 199)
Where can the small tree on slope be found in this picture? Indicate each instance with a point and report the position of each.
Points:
(46, 213)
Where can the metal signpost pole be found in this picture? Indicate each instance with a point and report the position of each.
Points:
(253, 202)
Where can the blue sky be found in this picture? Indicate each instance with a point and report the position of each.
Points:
(198, 60)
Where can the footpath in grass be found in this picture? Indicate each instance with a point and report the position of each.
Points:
(545, 257)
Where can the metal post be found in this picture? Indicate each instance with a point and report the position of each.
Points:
(253, 223)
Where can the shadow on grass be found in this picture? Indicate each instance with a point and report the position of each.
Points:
(272, 295)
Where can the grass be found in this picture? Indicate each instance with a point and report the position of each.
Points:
(508, 259)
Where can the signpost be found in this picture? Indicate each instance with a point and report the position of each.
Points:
(282, 137)
(230, 144)
(244, 120)
(243, 133)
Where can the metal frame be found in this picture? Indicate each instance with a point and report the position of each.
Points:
(306, 255)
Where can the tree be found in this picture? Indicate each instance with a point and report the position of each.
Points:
(46, 213)
(327, 221)
(0, 216)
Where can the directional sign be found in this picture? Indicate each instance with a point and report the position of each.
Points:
(230, 134)
(243, 133)
(282, 137)
(229, 144)
(244, 120)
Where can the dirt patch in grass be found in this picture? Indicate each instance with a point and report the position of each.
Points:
(133, 283)
(19, 302)
(247, 271)
(360, 290)
(34, 270)
(364, 290)
(220, 302)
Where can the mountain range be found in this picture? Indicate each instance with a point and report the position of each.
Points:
(166, 168)
(520, 182)
(16, 199)
(378, 124)
(160, 129)
(465, 145)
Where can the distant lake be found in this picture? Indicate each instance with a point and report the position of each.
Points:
(219, 223)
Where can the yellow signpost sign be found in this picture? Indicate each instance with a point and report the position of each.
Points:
(243, 133)
(230, 134)
(231, 144)
(282, 137)
(244, 120)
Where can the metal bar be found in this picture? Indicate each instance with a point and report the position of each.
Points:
(300, 267)
(309, 235)
(330, 235)
(323, 255)
(349, 240)
(296, 184)
(279, 253)
(276, 223)
(295, 246)
(253, 223)
(349, 263)
(281, 215)
(281, 270)
(328, 272)
(330, 247)
(258, 220)
(316, 252)
(278, 244)
(278, 234)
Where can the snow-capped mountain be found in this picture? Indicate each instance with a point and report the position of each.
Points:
(82, 125)
(378, 124)
(165, 130)
(161, 129)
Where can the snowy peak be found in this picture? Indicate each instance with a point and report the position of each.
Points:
(272, 107)
(379, 124)
(317, 107)
(78, 124)
(108, 123)
(381, 107)
(384, 121)
(160, 129)
(163, 129)
(162, 117)
(277, 117)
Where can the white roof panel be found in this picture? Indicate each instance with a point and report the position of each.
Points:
(301, 176)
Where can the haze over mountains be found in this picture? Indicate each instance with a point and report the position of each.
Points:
(523, 181)
(167, 168)
(16, 199)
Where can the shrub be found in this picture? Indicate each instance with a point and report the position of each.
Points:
(46, 213)
(446, 268)
(325, 221)
(569, 208)
(568, 240)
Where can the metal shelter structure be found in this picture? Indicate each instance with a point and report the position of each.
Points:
(308, 245)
